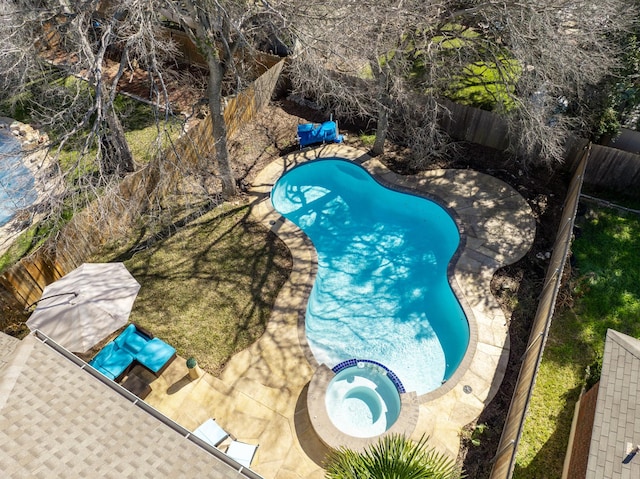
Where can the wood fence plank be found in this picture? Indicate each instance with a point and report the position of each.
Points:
(19, 281)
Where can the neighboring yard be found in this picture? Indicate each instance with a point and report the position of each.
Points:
(142, 133)
(605, 286)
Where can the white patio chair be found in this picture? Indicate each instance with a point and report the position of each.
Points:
(242, 452)
(211, 432)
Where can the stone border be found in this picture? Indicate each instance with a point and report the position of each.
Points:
(333, 437)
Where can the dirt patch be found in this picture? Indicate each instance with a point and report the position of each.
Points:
(185, 87)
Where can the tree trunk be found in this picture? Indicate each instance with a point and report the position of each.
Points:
(383, 115)
(214, 90)
(381, 131)
(118, 159)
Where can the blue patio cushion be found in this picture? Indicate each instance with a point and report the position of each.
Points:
(329, 131)
(305, 127)
(155, 354)
(112, 361)
(131, 340)
(329, 126)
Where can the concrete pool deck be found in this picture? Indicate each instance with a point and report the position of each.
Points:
(261, 396)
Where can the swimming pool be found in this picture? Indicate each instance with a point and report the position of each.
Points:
(16, 181)
(381, 291)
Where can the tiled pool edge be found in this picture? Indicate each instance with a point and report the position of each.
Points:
(349, 363)
(475, 198)
(331, 436)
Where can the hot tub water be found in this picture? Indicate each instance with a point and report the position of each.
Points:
(362, 401)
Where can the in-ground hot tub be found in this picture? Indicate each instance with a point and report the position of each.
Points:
(362, 400)
(357, 402)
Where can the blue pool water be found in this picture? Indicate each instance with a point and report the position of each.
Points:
(381, 291)
(16, 181)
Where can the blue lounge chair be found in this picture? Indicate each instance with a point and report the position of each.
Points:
(112, 361)
(133, 345)
(156, 355)
(327, 132)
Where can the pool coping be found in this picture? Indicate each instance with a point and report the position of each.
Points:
(333, 437)
(497, 229)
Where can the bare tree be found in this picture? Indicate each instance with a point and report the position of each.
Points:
(223, 31)
(545, 55)
(563, 51)
(363, 69)
(77, 44)
(232, 35)
(210, 27)
(44, 46)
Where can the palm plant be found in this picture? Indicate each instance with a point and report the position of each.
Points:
(392, 457)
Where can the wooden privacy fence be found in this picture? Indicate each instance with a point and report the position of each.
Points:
(89, 229)
(475, 125)
(614, 169)
(512, 431)
(187, 52)
(239, 110)
(607, 167)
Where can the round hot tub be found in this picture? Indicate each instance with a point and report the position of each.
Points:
(362, 401)
(357, 402)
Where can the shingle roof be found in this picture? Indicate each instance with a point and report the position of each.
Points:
(57, 420)
(617, 418)
(7, 345)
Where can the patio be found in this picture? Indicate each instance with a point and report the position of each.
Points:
(260, 398)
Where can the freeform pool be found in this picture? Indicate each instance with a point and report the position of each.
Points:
(381, 290)
(362, 400)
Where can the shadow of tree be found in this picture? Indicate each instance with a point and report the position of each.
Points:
(309, 441)
(209, 280)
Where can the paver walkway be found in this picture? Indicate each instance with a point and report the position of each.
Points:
(261, 396)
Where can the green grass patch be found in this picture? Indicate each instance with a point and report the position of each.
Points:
(561, 376)
(608, 285)
(368, 139)
(454, 35)
(31, 239)
(606, 289)
(25, 243)
(146, 142)
(483, 84)
(486, 84)
(208, 287)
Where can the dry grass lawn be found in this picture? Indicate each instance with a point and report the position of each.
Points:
(207, 288)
